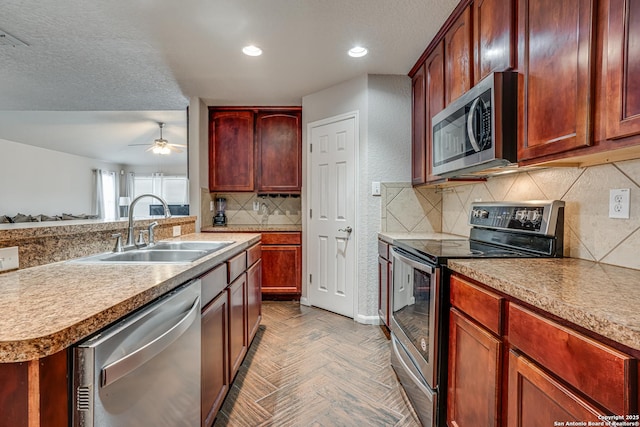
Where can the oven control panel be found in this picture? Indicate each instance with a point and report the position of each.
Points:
(539, 217)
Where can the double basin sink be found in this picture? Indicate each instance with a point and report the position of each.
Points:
(163, 252)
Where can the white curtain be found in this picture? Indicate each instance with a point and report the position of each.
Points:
(98, 197)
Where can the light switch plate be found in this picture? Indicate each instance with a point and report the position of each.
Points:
(619, 203)
(9, 258)
(177, 230)
(375, 188)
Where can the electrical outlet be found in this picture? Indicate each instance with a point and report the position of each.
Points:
(211, 206)
(177, 230)
(619, 203)
(9, 258)
(256, 205)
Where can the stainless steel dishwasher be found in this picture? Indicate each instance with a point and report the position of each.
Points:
(143, 370)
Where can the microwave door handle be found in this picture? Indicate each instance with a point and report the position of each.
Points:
(132, 361)
(470, 131)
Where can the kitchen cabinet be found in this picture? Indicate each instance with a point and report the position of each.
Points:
(604, 376)
(384, 282)
(215, 357)
(435, 94)
(255, 149)
(514, 366)
(279, 152)
(418, 127)
(556, 61)
(475, 356)
(254, 289)
(281, 264)
(458, 54)
(623, 69)
(231, 164)
(238, 338)
(493, 37)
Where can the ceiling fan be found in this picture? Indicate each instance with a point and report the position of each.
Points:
(161, 145)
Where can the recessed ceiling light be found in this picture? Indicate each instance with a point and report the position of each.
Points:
(252, 50)
(357, 51)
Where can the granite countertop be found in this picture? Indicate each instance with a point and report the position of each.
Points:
(48, 308)
(257, 228)
(389, 237)
(602, 298)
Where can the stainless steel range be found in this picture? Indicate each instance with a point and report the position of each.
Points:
(419, 300)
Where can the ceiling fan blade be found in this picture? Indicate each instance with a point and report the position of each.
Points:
(137, 145)
(178, 145)
(151, 147)
(173, 148)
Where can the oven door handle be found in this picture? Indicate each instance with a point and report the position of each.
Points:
(413, 263)
(410, 370)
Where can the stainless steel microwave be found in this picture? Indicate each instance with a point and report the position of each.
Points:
(477, 131)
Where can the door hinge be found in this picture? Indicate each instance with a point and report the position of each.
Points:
(310, 213)
(311, 278)
(311, 148)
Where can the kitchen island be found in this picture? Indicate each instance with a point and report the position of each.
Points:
(45, 310)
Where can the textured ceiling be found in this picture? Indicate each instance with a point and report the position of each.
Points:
(155, 54)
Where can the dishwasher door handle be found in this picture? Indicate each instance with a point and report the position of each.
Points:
(132, 361)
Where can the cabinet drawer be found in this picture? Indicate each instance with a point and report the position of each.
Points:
(383, 249)
(213, 283)
(237, 265)
(480, 304)
(253, 254)
(599, 371)
(294, 238)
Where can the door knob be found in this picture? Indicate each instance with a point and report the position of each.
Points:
(347, 229)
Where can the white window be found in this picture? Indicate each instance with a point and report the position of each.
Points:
(173, 189)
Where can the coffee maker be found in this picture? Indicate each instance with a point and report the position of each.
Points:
(220, 219)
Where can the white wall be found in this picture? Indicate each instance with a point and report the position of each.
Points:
(384, 106)
(39, 181)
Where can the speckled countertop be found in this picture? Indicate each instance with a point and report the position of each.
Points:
(251, 228)
(602, 298)
(48, 308)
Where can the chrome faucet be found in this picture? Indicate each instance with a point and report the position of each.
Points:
(167, 214)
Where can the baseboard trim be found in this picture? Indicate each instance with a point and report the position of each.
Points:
(368, 320)
(304, 301)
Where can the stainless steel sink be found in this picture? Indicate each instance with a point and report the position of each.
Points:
(164, 252)
(189, 246)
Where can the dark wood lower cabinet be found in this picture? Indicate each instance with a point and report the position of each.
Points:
(536, 399)
(254, 298)
(475, 358)
(35, 393)
(238, 341)
(282, 264)
(215, 357)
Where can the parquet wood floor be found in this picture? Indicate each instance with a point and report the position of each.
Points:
(311, 368)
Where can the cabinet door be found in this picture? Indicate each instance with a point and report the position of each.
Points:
(459, 57)
(384, 281)
(418, 128)
(537, 399)
(279, 152)
(215, 361)
(237, 324)
(434, 81)
(281, 269)
(231, 151)
(474, 374)
(254, 298)
(555, 59)
(493, 36)
(623, 69)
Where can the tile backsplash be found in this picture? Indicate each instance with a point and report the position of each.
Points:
(272, 210)
(589, 232)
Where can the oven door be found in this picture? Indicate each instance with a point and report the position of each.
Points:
(414, 313)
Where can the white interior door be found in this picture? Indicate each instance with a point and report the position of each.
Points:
(330, 242)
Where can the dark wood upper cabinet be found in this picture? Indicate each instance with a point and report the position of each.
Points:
(493, 37)
(418, 128)
(555, 62)
(458, 51)
(279, 152)
(434, 83)
(623, 69)
(231, 151)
